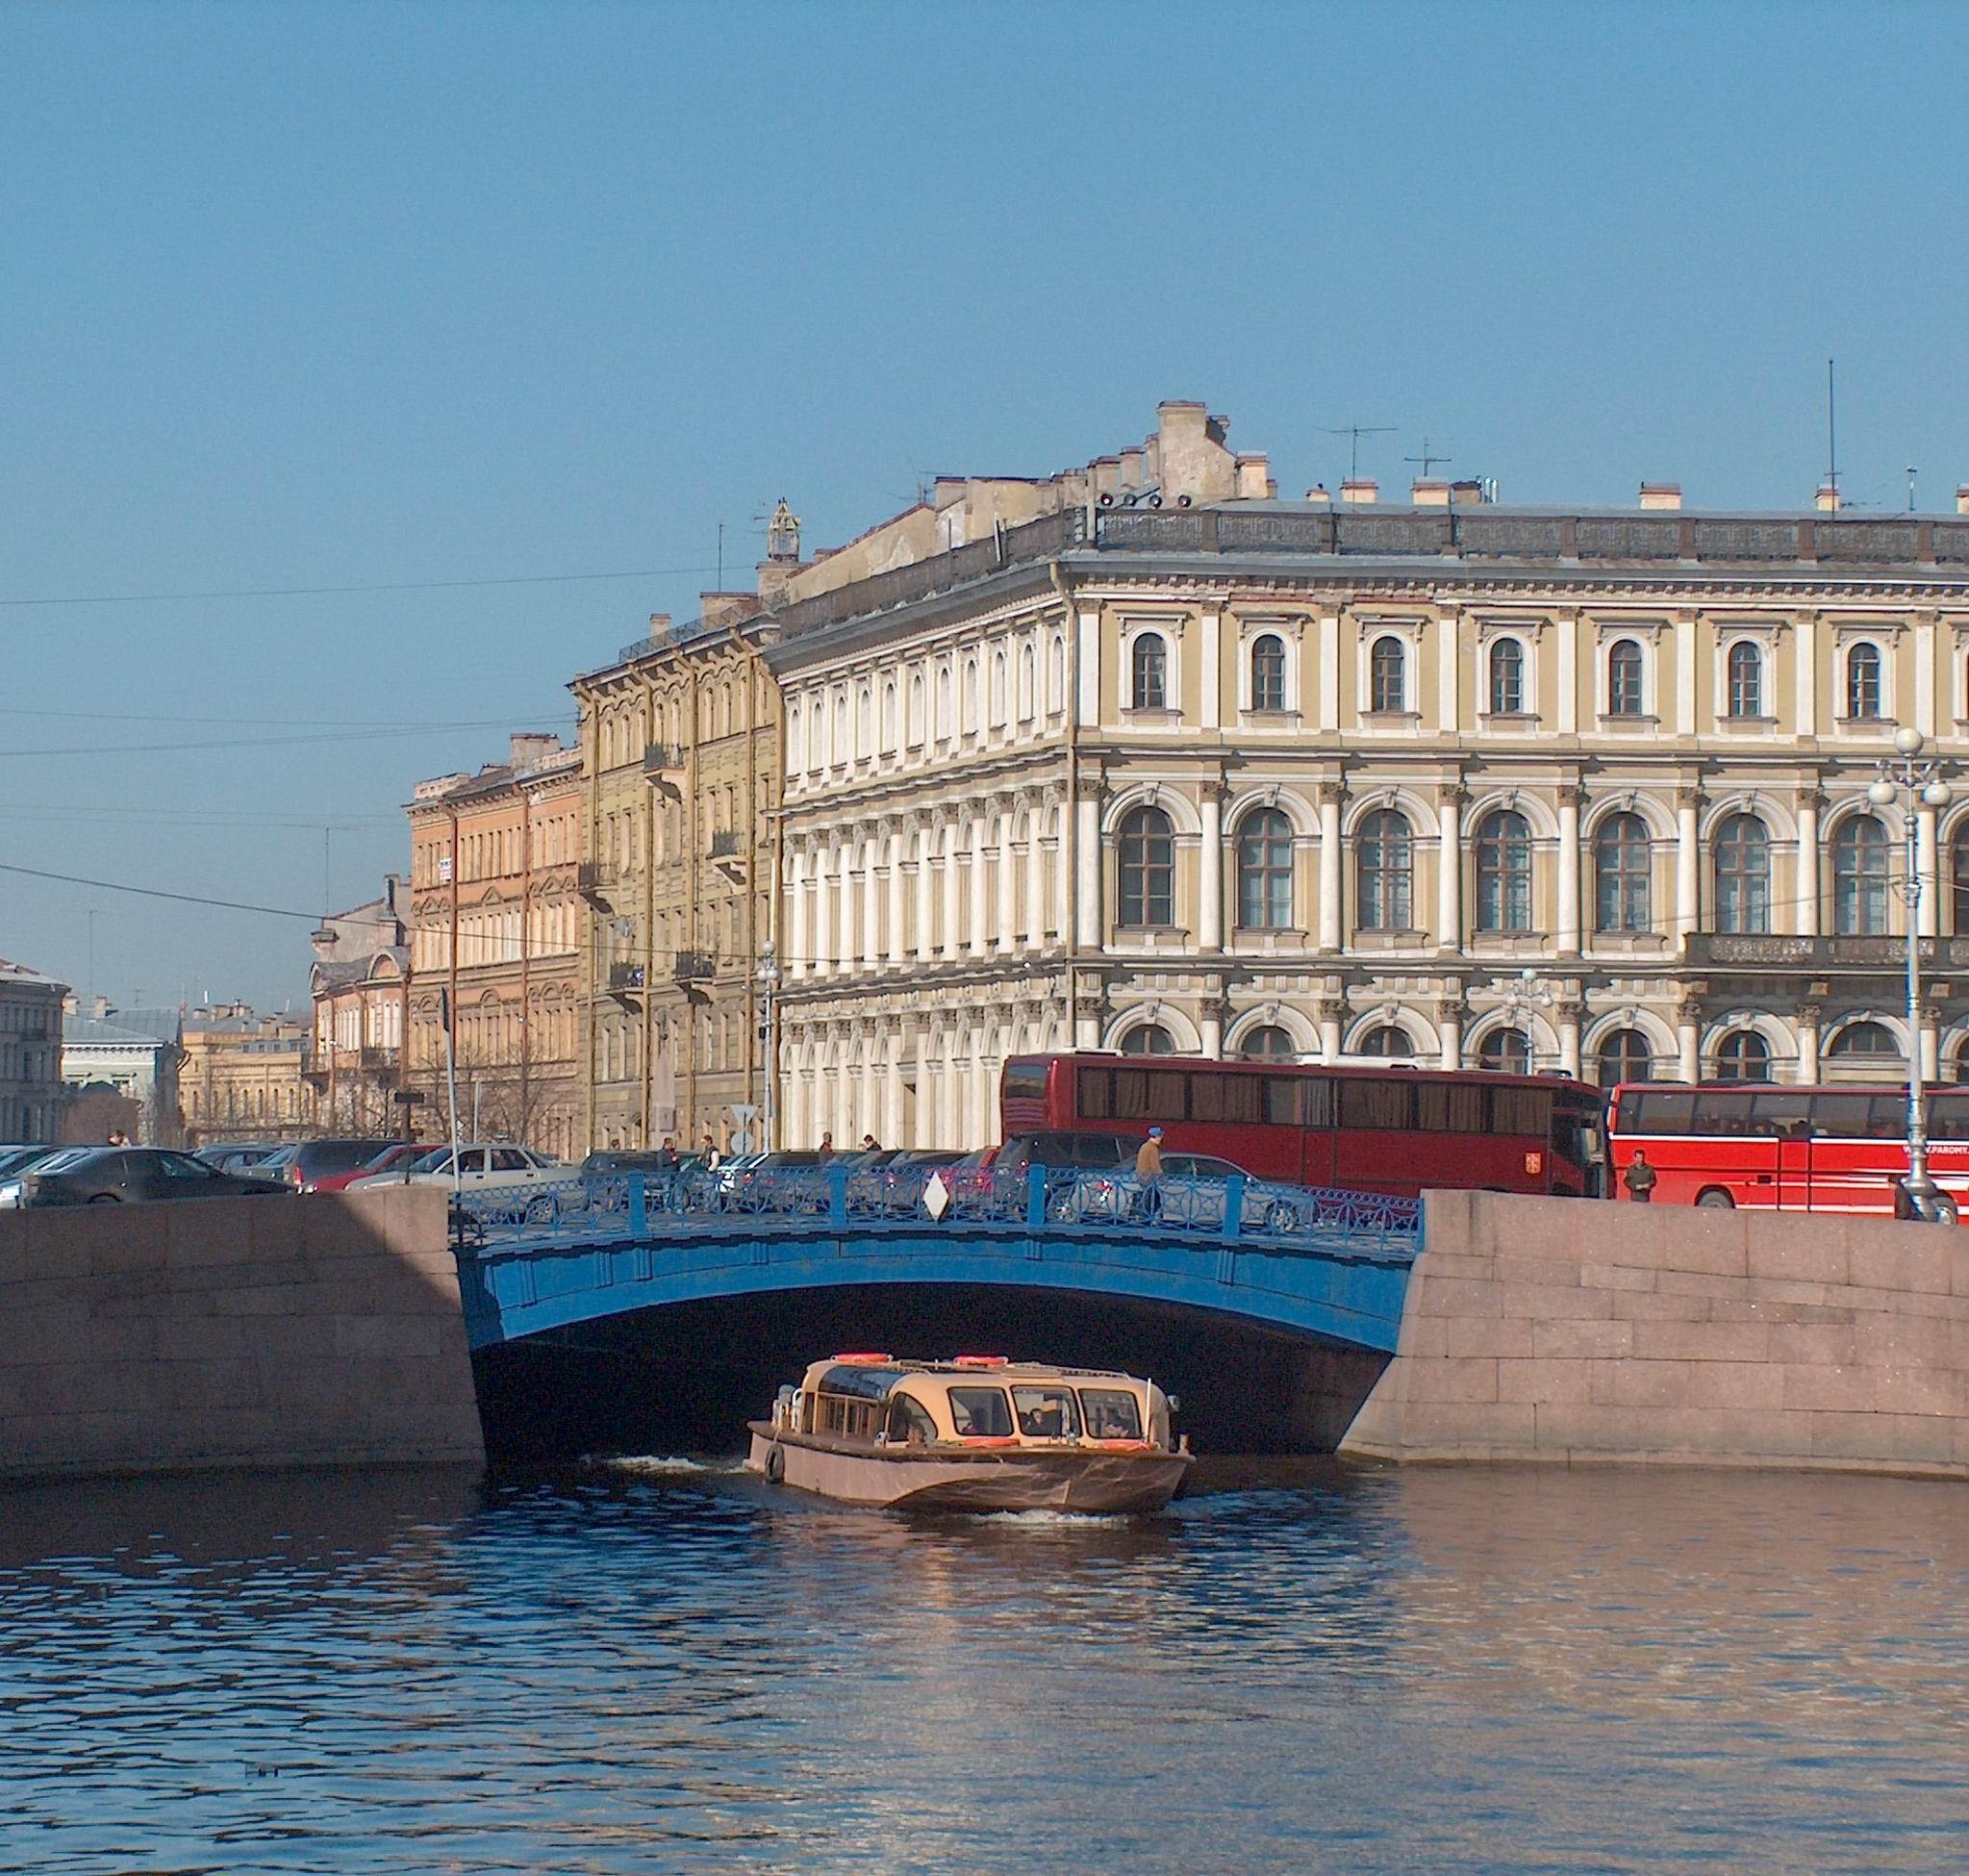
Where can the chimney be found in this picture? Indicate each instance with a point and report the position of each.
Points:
(1360, 490)
(1254, 481)
(99, 1007)
(527, 747)
(1828, 500)
(1132, 461)
(1661, 495)
(1467, 494)
(1318, 493)
(1963, 498)
(1428, 493)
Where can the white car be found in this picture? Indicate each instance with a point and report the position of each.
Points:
(479, 1167)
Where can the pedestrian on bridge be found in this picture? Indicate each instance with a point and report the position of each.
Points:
(1639, 1179)
(1149, 1175)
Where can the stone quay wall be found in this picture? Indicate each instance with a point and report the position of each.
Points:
(1555, 1330)
(323, 1329)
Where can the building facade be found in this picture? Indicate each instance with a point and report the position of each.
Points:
(30, 1055)
(495, 938)
(360, 988)
(242, 1076)
(1186, 768)
(130, 1057)
(681, 745)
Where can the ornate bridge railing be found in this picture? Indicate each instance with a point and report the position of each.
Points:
(655, 1205)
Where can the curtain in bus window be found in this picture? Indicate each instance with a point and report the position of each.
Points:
(1166, 1095)
(1317, 1103)
(1244, 1099)
(1520, 1111)
(1097, 1092)
(1843, 1116)
(1450, 1107)
(1131, 1095)
(1723, 1113)
(1663, 1111)
(1206, 1095)
(1384, 1106)
(1281, 1100)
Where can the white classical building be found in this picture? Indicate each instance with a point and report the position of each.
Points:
(1175, 766)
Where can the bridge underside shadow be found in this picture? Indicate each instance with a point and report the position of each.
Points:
(686, 1376)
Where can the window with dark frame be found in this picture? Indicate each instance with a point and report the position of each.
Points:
(1746, 665)
(1621, 871)
(1384, 858)
(1264, 871)
(1742, 851)
(1148, 673)
(1506, 678)
(1626, 679)
(1268, 673)
(1387, 686)
(1145, 850)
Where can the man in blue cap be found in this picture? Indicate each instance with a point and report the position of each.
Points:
(1148, 1173)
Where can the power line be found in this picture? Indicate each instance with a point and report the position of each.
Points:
(379, 585)
(272, 723)
(250, 741)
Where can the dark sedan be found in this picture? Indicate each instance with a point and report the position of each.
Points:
(97, 1175)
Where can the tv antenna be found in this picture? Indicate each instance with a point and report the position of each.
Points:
(1355, 432)
(1913, 473)
(1428, 459)
(1831, 434)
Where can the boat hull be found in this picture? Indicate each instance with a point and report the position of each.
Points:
(1016, 1478)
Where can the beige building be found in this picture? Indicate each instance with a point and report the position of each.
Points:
(495, 937)
(360, 986)
(242, 1078)
(31, 1087)
(1176, 766)
(681, 741)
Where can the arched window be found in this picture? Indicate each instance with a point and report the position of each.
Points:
(998, 692)
(1148, 673)
(1387, 667)
(916, 710)
(1027, 683)
(1268, 673)
(1387, 1041)
(1386, 864)
(1506, 1050)
(1626, 675)
(795, 749)
(1866, 1038)
(1743, 1055)
(1146, 850)
(1625, 1056)
(865, 723)
(1743, 875)
(1621, 869)
(1056, 674)
(1863, 683)
(837, 755)
(1859, 878)
(1264, 871)
(968, 723)
(888, 718)
(943, 703)
(1506, 678)
(1266, 1043)
(1504, 872)
(1148, 1039)
(1746, 679)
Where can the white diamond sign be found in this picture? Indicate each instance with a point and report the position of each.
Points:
(936, 1197)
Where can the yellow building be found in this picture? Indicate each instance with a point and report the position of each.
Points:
(680, 738)
(496, 928)
(242, 1076)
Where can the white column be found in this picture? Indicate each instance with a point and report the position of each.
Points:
(1210, 877)
(845, 897)
(978, 913)
(1330, 1014)
(1329, 875)
(1008, 886)
(1807, 1044)
(1569, 1038)
(1925, 872)
(1931, 1048)
(1210, 683)
(1568, 937)
(1449, 870)
(1805, 890)
(824, 913)
(1807, 662)
(796, 896)
(1687, 877)
(1212, 1026)
(1450, 1027)
(871, 904)
(899, 889)
(1087, 933)
(1035, 880)
(891, 1134)
(925, 897)
(1688, 1040)
(951, 903)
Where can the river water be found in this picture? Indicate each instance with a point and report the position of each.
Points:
(653, 1665)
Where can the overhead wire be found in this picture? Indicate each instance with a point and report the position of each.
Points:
(373, 586)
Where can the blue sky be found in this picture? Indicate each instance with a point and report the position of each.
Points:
(307, 296)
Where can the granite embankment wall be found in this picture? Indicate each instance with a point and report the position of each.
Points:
(323, 1329)
(1550, 1330)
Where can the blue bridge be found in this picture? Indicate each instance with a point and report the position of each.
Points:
(1328, 1265)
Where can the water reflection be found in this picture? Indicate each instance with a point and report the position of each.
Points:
(1298, 1665)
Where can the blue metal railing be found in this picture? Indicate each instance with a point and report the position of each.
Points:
(1264, 1212)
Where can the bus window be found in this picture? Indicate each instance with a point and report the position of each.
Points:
(1728, 1113)
(1025, 1081)
(1166, 1094)
(1520, 1111)
(1450, 1107)
(1382, 1106)
(1842, 1116)
(1096, 1089)
(1319, 1103)
(1782, 1116)
(1948, 1117)
(1243, 1101)
(1656, 1110)
(1206, 1095)
(1131, 1095)
(1886, 1118)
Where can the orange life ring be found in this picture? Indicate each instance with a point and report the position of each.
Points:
(980, 1362)
(863, 1360)
(989, 1439)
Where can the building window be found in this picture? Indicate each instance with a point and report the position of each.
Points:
(1268, 673)
(1508, 1051)
(1866, 1038)
(1266, 1043)
(1147, 869)
(1863, 683)
(1504, 872)
(1625, 1056)
(1385, 851)
(1746, 679)
(1149, 673)
(1387, 1041)
(1148, 1039)
(1506, 678)
(1264, 871)
(1387, 675)
(1743, 875)
(1624, 674)
(1622, 862)
(1743, 1057)
(1859, 878)
(1959, 876)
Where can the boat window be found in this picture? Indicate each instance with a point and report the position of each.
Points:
(1111, 1413)
(910, 1423)
(980, 1413)
(1045, 1412)
(852, 1419)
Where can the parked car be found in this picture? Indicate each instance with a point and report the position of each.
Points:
(399, 1153)
(894, 1182)
(95, 1175)
(478, 1167)
(236, 1155)
(305, 1163)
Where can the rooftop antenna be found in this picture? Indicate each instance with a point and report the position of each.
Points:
(1428, 459)
(1913, 473)
(1831, 434)
(720, 556)
(1355, 432)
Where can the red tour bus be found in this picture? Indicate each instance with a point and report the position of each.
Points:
(1368, 1130)
(1770, 1148)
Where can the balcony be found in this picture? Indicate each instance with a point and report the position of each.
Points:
(663, 766)
(593, 878)
(724, 847)
(625, 977)
(694, 967)
(1720, 950)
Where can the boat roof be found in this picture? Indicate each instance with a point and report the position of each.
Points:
(874, 1377)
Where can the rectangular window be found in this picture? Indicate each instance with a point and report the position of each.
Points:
(1281, 1100)
(1025, 1081)
(1096, 1094)
(1450, 1107)
(1780, 1116)
(980, 1413)
(1723, 1113)
(1378, 1107)
(1523, 1112)
(1109, 1413)
(1206, 1096)
(1244, 1102)
(1166, 1094)
(1131, 1095)
(1842, 1116)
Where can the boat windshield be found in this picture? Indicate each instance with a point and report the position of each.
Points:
(1111, 1412)
(980, 1413)
(1045, 1412)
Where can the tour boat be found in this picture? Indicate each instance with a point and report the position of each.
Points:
(977, 1433)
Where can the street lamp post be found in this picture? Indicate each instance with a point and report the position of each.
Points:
(768, 980)
(1906, 777)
